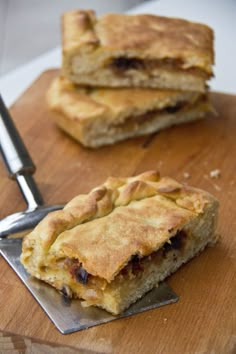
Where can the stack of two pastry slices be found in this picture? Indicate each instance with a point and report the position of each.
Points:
(129, 75)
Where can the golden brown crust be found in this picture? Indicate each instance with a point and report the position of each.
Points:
(139, 36)
(158, 37)
(106, 227)
(79, 26)
(93, 116)
(108, 104)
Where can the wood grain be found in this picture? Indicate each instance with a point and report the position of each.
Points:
(11, 343)
(203, 321)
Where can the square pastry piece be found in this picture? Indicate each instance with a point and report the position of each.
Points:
(111, 246)
(101, 116)
(136, 50)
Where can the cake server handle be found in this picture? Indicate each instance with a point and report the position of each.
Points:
(14, 152)
(16, 157)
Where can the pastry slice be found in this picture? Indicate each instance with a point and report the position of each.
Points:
(111, 246)
(97, 117)
(136, 50)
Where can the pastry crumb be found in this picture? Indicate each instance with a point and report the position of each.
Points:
(165, 320)
(186, 175)
(214, 185)
(215, 173)
(217, 188)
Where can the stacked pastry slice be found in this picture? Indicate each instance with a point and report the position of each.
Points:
(129, 75)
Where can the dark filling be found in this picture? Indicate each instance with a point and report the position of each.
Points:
(77, 271)
(177, 242)
(170, 109)
(149, 116)
(81, 275)
(177, 107)
(123, 64)
(136, 264)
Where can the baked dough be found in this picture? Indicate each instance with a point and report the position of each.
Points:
(111, 246)
(136, 50)
(97, 117)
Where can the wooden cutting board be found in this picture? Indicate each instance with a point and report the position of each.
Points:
(203, 321)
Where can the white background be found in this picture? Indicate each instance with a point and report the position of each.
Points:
(219, 14)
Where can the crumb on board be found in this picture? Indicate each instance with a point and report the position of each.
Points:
(186, 175)
(215, 173)
(215, 186)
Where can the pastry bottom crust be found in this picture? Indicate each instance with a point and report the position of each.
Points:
(139, 275)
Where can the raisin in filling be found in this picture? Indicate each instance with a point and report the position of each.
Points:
(123, 64)
(177, 107)
(136, 264)
(176, 243)
(76, 270)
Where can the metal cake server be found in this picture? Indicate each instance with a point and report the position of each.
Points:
(20, 167)
(67, 316)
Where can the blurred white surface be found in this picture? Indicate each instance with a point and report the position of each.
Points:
(29, 28)
(220, 15)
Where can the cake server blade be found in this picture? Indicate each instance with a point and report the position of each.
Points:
(71, 316)
(67, 317)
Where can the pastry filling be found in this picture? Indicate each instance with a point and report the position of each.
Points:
(132, 269)
(121, 65)
(137, 264)
(133, 122)
(144, 120)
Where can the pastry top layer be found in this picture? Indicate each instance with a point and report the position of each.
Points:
(122, 218)
(111, 105)
(142, 36)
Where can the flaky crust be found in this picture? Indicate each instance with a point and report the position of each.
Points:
(136, 51)
(121, 218)
(143, 36)
(100, 116)
(113, 105)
